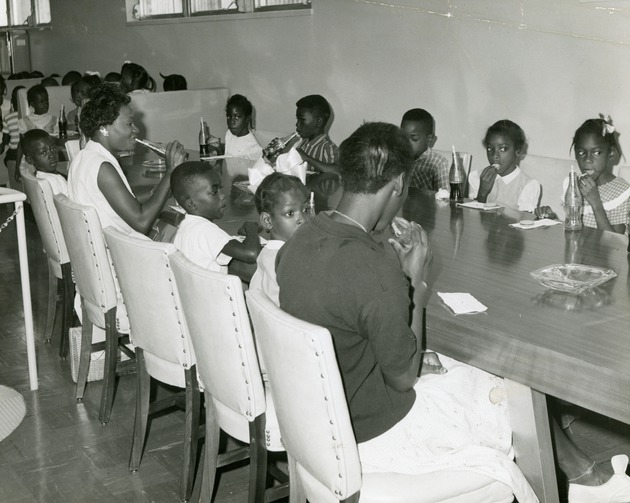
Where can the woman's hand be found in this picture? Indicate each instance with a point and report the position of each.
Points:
(415, 254)
(431, 364)
(486, 182)
(175, 155)
(588, 189)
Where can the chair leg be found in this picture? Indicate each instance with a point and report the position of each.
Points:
(52, 305)
(67, 301)
(257, 460)
(85, 357)
(212, 450)
(296, 492)
(143, 394)
(109, 372)
(191, 433)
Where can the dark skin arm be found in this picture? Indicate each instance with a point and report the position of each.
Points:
(486, 182)
(242, 270)
(139, 216)
(248, 250)
(589, 191)
(319, 165)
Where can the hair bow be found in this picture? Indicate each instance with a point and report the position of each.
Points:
(607, 126)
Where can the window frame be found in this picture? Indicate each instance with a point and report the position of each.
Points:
(300, 8)
(33, 24)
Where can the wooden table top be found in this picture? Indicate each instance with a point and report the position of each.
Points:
(573, 347)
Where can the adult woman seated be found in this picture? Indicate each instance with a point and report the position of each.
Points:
(95, 177)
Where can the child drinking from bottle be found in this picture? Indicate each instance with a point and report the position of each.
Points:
(282, 202)
(503, 182)
(606, 197)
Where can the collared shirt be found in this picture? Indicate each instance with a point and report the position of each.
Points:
(516, 190)
(430, 171)
(321, 148)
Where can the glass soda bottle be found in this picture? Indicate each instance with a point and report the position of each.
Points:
(204, 139)
(276, 146)
(63, 124)
(573, 204)
(456, 178)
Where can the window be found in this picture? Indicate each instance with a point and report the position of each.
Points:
(155, 9)
(24, 13)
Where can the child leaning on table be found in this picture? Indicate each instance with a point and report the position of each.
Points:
(606, 197)
(40, 151)
(430, 169)
(503, 182)
(37, 97)
(197, 189)
(283, 206)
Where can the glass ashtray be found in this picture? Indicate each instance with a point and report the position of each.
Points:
(572, 278)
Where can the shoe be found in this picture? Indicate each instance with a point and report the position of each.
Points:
(616, 490)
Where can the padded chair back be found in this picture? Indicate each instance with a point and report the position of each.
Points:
(40, 196)
(27, 83)
(217, 318)
(57, 96)
(91, 266)
(151, 297)
(310, 400)
(72, 148)
(165, 116)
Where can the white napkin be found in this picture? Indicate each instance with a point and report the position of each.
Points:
(476, 205)
(291, 163)
(462, 303)
(535, 224)
(442, 195)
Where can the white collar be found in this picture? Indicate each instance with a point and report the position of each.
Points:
(507, 179)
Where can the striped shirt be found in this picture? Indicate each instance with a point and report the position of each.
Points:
(321, 148)
(430, 171)
(10, 126)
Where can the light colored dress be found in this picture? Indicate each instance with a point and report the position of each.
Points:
(265, 276)
(83, 184)
(242, 146)
(516, 190)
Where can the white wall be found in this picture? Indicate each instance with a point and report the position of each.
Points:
(546, 64)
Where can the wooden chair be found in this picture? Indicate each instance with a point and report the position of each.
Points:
(228, 368)
(315, 424)
(160, 335)
(40, 196)
(95, 283)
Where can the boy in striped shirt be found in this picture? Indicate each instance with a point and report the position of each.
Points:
(316, 148)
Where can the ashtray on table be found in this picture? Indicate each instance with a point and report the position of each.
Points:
(572, 278)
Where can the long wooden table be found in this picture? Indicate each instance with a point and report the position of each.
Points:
(576, 348)
(545, 343)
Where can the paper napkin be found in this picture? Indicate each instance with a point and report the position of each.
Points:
(476, 205)
(462, 303)
(535, 224)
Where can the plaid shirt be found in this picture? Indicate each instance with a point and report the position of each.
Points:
(614, 197)
(430, 171)
(321, 148)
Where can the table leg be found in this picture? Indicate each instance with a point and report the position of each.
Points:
(532, 439)
(26, 297)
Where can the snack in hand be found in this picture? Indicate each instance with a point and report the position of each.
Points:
(402, 231)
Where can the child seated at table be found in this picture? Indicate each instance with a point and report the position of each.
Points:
(430, 169)
(80, 93)
(505, 142)
(316, 148)
(37, 97)
(197, 189)
(283, 206)
(11, 138)
(40, 151)
(239, 140)
(606, 197)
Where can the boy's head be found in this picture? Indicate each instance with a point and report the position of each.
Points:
(312, 114)
(197, 189)
(37, 97)
(419, 126)
(50, 82)
(174, 82)
(282, 204)
(70, 78)
(80, 90)
(112, 77)
(40, 150)
(238, 113)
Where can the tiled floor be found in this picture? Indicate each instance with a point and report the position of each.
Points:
(61, 453)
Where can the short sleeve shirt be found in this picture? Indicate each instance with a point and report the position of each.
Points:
(202, 241)
(430, 171)
(336, 276)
